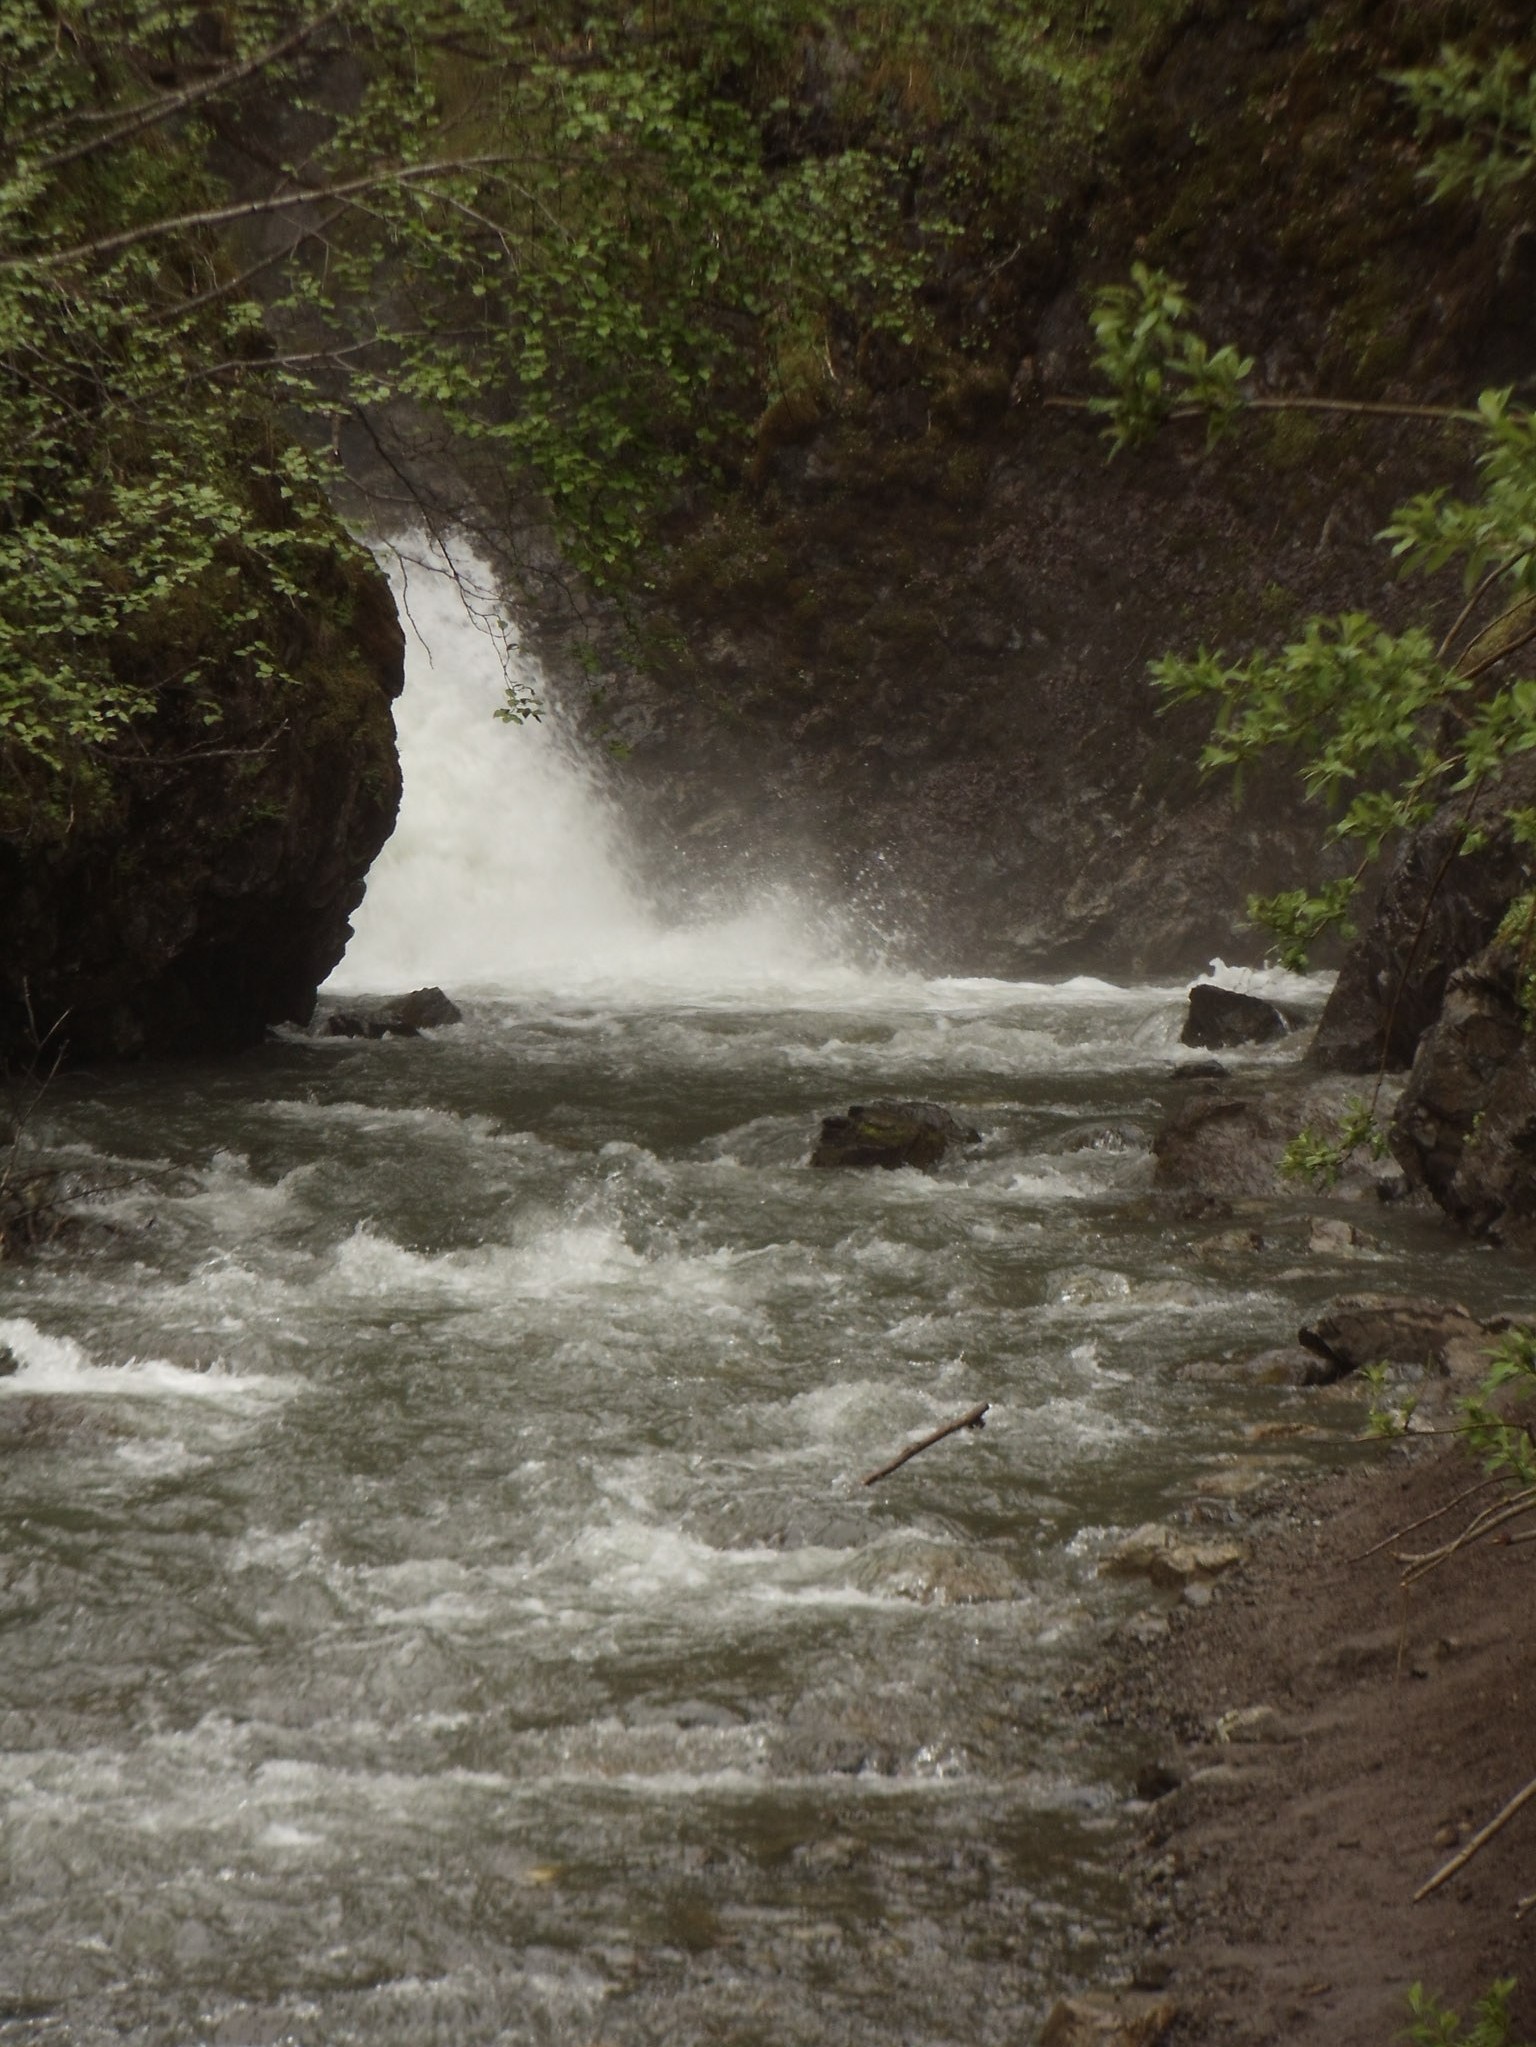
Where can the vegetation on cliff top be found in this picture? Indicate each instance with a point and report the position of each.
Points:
(615, 252)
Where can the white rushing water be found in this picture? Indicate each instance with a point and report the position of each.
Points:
(508, 870)
(437, 1598)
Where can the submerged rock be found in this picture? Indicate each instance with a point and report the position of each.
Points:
(1355, 1330)
(890, 1134)
(1117, 1137)
(1109, 2019)
(402, 1016)
(1285, 1365)
(1219, 1017)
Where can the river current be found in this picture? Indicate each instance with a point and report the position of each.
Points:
(437, 1599)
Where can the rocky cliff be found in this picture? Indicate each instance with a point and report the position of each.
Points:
(198, 888)
(908, 653)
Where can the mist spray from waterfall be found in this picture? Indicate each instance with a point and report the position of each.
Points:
(508, 869)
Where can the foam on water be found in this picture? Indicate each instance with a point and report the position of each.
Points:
(58, 1364)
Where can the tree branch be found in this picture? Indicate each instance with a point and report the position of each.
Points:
(247, 209)
(974, 1419)
(150, 113)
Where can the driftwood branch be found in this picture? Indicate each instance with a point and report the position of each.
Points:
(972, 1419)
(1460, 1861)
(1398, 1533)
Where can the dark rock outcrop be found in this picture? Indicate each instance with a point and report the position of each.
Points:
(1356, 1330)
(1221, 1017)
(205, 893)
(1438, 907)
(890, 1134)
(402, 1016)
(1465, 1128)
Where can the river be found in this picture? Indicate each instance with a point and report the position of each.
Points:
(437, 1600)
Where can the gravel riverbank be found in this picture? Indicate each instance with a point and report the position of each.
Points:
(1324, 1742)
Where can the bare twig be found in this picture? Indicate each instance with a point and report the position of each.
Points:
(973, 1419)
(1513, 1509)
(1377, 408)
(150, 113)
(1480, 1840)
(1424, 1521)
(248, 209)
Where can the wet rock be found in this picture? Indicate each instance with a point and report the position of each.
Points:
(1287, 1364)
(890, 1134)
(938, 1574)
(1198, 1069)
(1355, 1330)
(1330, 1236)
(1465, 1128)
(836, 1853)
(1118, 1137)
(687, 1714)
(10, 1364)
(1233, 1243)
(1246, 1724)
(1122, 2018)
(1437, 909)
(1171, 1558)
(1218, 1145)
(1220, 1017)
(1241, 1481)
(401, 1016)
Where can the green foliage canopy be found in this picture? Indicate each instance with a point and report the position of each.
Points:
(595, 244)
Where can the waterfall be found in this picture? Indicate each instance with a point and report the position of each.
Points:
(508, 869)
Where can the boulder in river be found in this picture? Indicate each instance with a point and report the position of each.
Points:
(1220, 1017)
(1225, 1145)
(401, 1016)
(1355, 1330)
(890, 1134)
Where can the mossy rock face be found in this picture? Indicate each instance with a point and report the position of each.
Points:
(203, 891)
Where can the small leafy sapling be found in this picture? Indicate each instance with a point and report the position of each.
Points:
(1490, 2024)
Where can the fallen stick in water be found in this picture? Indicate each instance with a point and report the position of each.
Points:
(971, 1420)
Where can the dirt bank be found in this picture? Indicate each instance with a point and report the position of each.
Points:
(1279, 1875)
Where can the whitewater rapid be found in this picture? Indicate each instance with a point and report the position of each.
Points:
(437, 1598)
